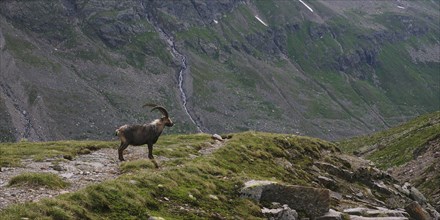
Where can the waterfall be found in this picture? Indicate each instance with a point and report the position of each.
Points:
(181, 89)
(183, 66)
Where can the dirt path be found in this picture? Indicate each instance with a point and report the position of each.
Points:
(83, 170)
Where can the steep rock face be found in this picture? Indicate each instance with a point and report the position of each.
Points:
(78, 69)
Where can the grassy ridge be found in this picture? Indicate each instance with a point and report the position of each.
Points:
(200, 188)
(397, 145)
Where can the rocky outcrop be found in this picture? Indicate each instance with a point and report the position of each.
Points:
(283, 201)
(273, 42)
(358, 57)
(313, 201)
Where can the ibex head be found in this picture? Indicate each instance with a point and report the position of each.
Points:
(165, 119)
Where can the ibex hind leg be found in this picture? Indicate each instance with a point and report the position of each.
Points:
(121, 149)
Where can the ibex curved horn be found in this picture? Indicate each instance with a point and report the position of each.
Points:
(158, 107)
(162, 110)
(149, 105)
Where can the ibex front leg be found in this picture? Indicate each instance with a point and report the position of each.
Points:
(150, 155)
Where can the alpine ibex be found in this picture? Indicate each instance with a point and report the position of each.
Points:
(137, 135)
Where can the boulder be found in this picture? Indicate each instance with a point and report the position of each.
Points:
(217, 137)
(314, 202)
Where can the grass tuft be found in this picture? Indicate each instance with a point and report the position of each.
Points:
(48, 180)
(136, 165)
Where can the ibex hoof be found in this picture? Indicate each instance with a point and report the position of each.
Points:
(155, 163)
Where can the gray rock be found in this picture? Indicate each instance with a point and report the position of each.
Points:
(406, 188)
(155, 218)
(381, 187)
(356, 211)
(355, 217)
(369, 174)
(282, 213)
(254, 188)
(328, 182)
(331, 215)
(335, 195)
(334, 170)
(382, 212)
(379, 212)
(217, 137)
(401, 190)
(360, 195)
(416, 195)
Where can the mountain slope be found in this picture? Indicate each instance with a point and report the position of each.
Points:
(411, 151)
(77, 69)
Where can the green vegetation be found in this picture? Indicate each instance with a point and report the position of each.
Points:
(198, 188)
(144, 45)
(12, 153)
(131, 166)
(429, 186)
(49, 180)
(397, 145)
(421, 78)
(23, 50)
